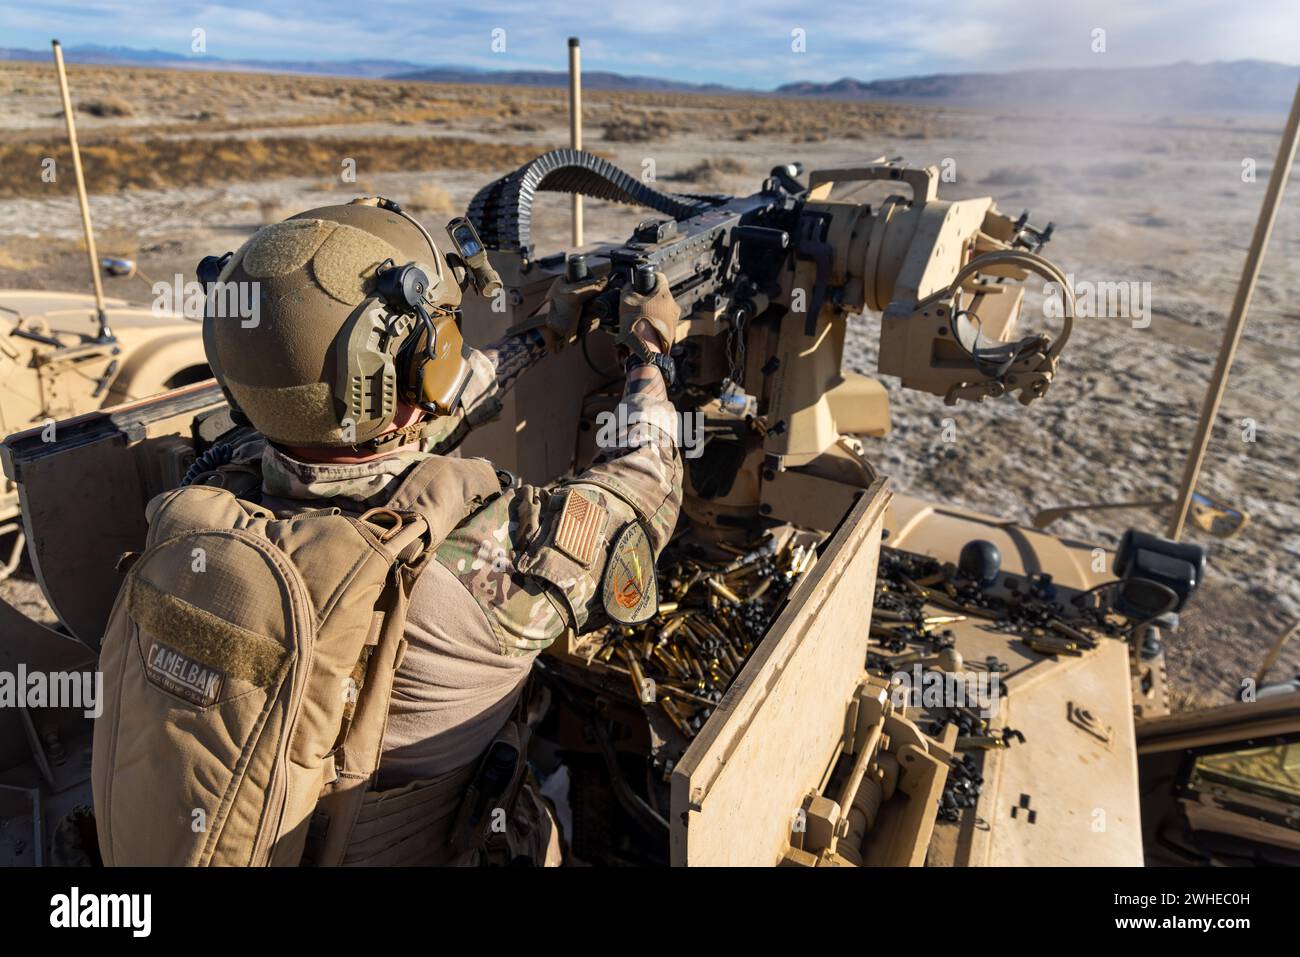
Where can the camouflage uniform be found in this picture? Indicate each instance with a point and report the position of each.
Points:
(501, 590)
(360, 327)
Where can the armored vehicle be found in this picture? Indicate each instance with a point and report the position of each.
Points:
(54, 366)
(838, 674)
(62, 354)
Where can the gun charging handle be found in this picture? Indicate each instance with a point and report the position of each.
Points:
(604, 307)
(576, 269)
(643, 279)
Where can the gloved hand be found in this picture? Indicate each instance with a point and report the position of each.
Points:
(566, 300)
(648, 320)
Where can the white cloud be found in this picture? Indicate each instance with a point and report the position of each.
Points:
(737, 43)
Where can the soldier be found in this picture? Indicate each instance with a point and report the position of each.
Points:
(356, 381)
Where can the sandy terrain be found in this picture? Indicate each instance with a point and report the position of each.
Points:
(182, 165)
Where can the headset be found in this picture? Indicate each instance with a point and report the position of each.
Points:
(427, 378)
(432, 371)
(429, 367)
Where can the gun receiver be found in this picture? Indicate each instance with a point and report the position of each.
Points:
(701, 257)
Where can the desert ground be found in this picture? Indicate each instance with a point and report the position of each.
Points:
(185, 164)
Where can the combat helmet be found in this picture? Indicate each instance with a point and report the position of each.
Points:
(356, 307)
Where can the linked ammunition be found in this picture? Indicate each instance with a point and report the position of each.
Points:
(713, 615)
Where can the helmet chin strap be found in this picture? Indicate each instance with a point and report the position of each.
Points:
(395, 439)
(412, 432)
(380, 444)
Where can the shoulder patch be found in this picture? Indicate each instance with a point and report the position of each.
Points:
(630, 590)
(581, 526)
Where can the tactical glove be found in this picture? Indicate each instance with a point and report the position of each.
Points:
(567, 301)
(648, 320)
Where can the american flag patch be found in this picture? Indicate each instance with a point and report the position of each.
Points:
(581, 526)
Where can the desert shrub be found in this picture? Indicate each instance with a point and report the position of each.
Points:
(709, 169)
(430, 199)
(636, 128)
(121, 163)
(107, 106)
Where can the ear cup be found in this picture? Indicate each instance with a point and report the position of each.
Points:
(431, 368)
(403, 287)
(435, 384)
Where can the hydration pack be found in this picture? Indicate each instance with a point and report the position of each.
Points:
(248, 666)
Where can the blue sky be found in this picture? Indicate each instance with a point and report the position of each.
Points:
(741, 43)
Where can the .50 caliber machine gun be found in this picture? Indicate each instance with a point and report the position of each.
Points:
(767, 283)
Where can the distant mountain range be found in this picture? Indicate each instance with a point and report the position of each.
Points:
(1240, 86)
(372, 69)
(127, 56)
(593, 79)
(1251, 86)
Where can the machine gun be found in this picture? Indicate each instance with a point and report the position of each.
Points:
(767, 284)
(792, 249)
(721, 261)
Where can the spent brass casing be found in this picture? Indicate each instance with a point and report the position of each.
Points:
(638, 676)
(718, 588)
(1052, 645)
(885, 615)
(675, 691)
(675, 717)
(1072, 633)
(670, 629)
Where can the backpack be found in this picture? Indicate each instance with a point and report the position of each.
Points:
(248, 664)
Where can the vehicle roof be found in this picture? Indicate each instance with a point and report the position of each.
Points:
(72, 312)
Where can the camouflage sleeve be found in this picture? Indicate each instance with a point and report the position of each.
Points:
(533, 558)
(637, 477)
(483, 553)
(639, 461)
(495, 368)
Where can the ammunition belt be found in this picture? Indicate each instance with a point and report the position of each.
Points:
(502, 211)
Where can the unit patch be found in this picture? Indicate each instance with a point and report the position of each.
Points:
(581, 527)
(182, 676)
(630, 591)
